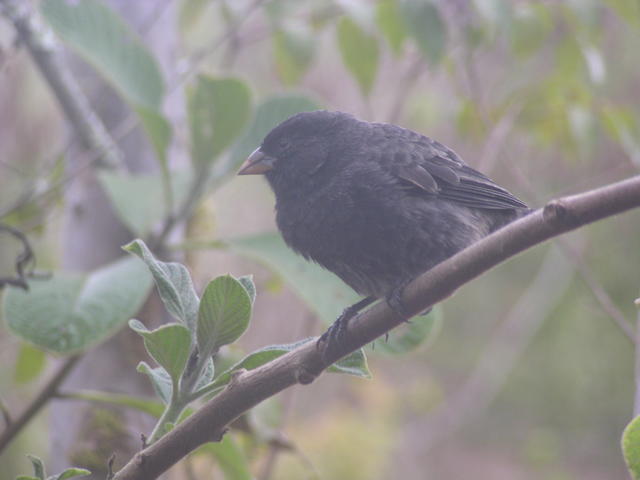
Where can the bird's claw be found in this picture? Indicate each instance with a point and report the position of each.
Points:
(336, 336)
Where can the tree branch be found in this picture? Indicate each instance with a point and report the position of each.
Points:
(48, 392)
(305, 363)
(38, 40)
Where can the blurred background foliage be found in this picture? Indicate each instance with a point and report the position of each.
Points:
(529, 376)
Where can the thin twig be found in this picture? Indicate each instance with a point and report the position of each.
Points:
(598, 291)
(47, 392)
(305, 363)
(24, 259)
(6, 415)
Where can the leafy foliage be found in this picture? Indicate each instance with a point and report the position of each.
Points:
(39, 472)
(631, 447)
(103, 39)
(71, 312)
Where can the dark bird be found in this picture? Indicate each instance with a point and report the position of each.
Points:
(374, 203)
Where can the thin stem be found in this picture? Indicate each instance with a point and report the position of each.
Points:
(170, 415)
(48, 391)
(6, 415)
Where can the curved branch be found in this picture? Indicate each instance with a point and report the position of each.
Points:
(303, 364)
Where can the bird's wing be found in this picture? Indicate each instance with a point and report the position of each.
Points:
(437, 170)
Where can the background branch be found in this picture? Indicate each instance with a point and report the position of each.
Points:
(303, 364)
(46, 393)
(86, 124)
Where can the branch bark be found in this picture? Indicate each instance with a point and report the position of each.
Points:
(304, 364)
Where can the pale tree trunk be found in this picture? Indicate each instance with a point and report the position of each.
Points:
(86, 434)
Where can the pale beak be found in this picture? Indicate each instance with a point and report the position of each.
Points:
(256, 164)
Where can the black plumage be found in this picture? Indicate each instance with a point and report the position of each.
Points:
(376, 204)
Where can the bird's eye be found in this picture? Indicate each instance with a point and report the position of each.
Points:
(283, 144)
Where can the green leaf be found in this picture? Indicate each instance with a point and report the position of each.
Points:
(411, 335)
(140, 200)
(531, 27)
(426, 26)
(391, 24)
(293, 49)
(218, 109)
(206, 376)
(224, 314)
(174, 285)
(160, 380)
(141, 404)
(30, 363)
(496, 12)
(360, 53)
(70, 312)
(249, 286)
(100, 36)
(631, 447)
(169, 345)
(158, 130)
(38, 467)
(71, 473)
(353, 364)
(230, 458)
(26, 477)
(191, 11)
(268, 114)
(323, 292)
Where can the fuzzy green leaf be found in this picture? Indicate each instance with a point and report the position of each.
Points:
(30, 363)
(103, 39)
(360, 53)
(224, 314)
(218, 110)
(631, 447)
(140, 200)
(70, 312)
(160, 380)
(391, 24)
(427, 27)
(174, 285)
(169, 345)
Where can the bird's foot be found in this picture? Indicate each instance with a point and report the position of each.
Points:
(394, 300)
(337, 335)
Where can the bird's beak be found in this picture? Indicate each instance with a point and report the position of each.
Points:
(256, 164)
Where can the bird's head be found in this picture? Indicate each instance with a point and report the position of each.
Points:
(297, 148)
